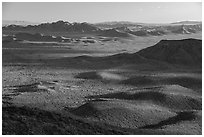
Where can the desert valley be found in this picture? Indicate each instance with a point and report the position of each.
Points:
(104, 78)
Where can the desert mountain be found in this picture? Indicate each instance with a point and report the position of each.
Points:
(59, 26)
(112, 29)
(144, 29)
(162, 30)
(182, 52)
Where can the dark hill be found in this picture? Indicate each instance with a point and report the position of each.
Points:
(183, 52)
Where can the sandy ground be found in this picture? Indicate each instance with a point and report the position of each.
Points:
(59, 90)
(127, 101)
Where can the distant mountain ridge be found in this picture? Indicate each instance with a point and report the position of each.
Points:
(115, 24)
(149, 29)
(112, 29)
(187, 22)
(56, 27)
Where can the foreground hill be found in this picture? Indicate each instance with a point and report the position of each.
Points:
(33, 121)
(183, 52)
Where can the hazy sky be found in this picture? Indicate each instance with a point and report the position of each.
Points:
(146, 12)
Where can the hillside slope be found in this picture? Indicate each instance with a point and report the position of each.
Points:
(182, 52)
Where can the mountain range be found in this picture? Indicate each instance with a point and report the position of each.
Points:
(111, 29)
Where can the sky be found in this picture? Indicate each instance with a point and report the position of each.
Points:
(147, 12)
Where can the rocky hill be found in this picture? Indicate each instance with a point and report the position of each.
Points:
(182, 52)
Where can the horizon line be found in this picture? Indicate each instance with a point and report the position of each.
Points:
(102, 21)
